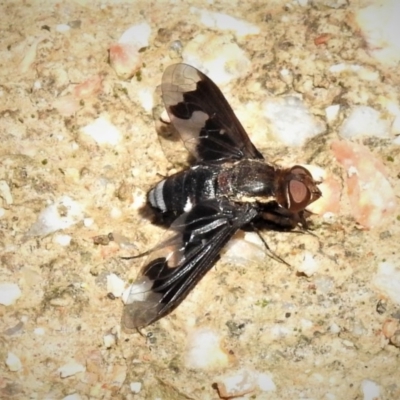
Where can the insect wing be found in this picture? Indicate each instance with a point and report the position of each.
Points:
(178, 263)
(203, 117)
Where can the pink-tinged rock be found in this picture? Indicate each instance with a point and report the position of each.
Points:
(125, 59)
(371, 195)
(66, 105)
(88, 88)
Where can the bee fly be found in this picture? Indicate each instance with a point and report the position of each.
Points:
(230, 186)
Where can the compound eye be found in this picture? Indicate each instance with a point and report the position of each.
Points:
(299, 195)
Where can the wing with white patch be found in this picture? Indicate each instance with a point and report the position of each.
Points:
(206, 122)
(174, 267)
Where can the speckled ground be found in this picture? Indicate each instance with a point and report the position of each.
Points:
(318, 337)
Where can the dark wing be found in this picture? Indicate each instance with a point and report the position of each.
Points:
(203, 117)
(178, 263)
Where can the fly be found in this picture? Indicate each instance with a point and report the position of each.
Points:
(229, 186)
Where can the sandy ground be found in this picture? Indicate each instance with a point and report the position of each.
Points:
(316, 337)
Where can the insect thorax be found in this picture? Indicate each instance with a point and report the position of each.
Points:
(248, 181)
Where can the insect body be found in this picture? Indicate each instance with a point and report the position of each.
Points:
(230, 186)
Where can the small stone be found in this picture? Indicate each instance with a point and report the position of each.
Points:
(115, 285)
(139, 199)
(390, 326)
(74, 396)
(135, 387)
(222, 21)
(62, 240)
(109, 340)
(88, 222)
(125, 59)
(13, 362)
(379, 26)
(204, 350)
(137, 35)
(70, 369)
(291, 122)
(265, 382)
(372, 197)
(332, 113)
(62, 28)
(5, 193)
(102, 131)
(239, 384)
(387, 280)
(62, 214)
(118, 376)
(364, 121)
(395, 339)
(9, 293)
(370, 389)
(230, 64)
(309, 265)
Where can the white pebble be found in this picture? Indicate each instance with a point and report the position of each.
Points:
(62, 28)
(361, 72)
(237, 384)
(5, 192)
(334, 328)
(332, 113)
(278, 331)
(244, 250)
(204, 351)
(291, 122)
(64, 213)
(115, 285)
(145, 96)
(137, 35)
(13, 362)
(88, 222)
(115, 213)
(9, 293)
(135, 387)
(222, 21)
(265, 382)
(109, 340)
(71, 368)
(379, 25)
(74, 396)
(306, 324)
(139, 199)
(364, 121)
(387, 279)
(302, 3)
(62, 240)
(231, 62)
(103, 131)
(39, 331)
(309, 265)
(370, 389)
(330, 396)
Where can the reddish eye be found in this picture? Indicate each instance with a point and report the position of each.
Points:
(299, 195)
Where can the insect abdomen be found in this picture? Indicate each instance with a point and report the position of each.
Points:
(181, 191)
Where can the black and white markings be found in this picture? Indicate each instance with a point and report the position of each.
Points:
(229, 186)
